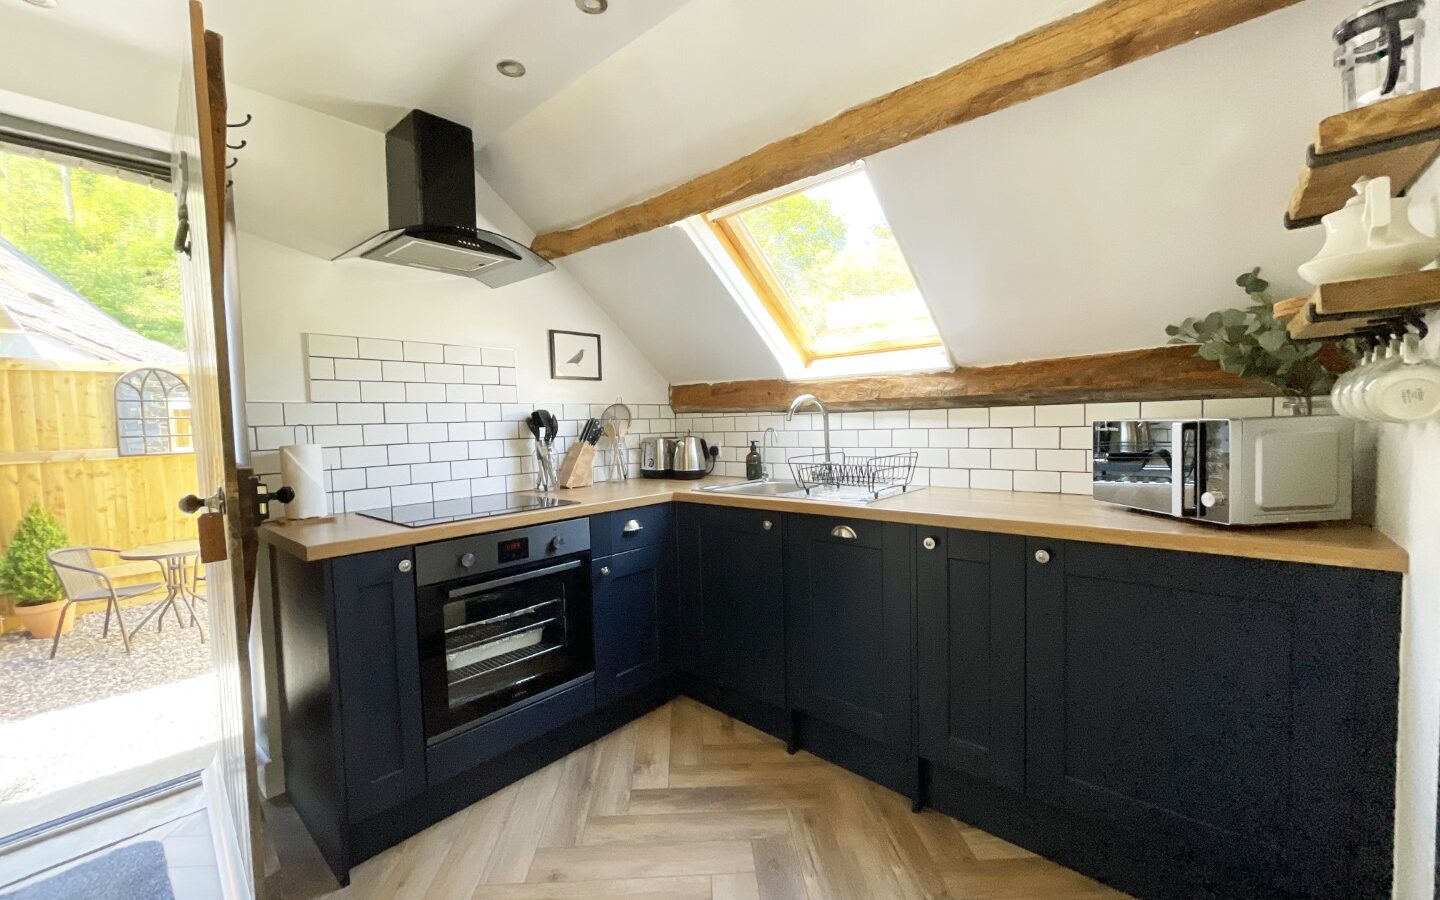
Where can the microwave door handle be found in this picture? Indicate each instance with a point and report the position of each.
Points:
(511, 579)
(1190, 468)
(1177, 469)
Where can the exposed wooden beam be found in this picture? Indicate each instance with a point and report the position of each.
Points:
(1070, 50)
(1161, 373)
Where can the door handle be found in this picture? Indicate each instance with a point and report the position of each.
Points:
(191, 504)
(843, 532)
(632, 526)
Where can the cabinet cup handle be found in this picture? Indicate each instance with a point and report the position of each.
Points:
(928, 543)
(767, 525)
(604, 570)
(1042, 556)
(405, 565)
(633, 526)
(843, 532)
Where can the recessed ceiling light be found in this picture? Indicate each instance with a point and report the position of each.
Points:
(510, 68)
(593, 7)
(44, 4)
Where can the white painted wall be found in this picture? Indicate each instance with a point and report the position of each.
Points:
(310, 186)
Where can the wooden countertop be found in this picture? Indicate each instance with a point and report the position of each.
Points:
(1059, 516)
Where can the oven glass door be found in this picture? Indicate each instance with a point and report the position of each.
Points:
(492, 641)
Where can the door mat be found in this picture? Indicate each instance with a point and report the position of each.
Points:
(133, 872)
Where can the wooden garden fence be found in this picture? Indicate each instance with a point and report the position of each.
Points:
(58, 446)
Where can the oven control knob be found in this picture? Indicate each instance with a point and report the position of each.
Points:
(556, 543)
(467, 560)
(1211, 499)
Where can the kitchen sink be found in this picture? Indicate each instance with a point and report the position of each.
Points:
(857, 496)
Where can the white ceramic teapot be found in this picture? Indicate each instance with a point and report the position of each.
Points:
(1370, 237)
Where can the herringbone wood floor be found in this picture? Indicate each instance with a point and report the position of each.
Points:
(687, 803)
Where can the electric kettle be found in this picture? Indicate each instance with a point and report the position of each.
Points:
(655, 456)
(692, 458)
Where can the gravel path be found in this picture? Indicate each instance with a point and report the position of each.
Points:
(89, 668)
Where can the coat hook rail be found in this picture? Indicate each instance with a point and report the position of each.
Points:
(241, 124)
(232, 163)
(240, 146)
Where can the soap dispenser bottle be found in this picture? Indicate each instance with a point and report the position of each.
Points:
(754, 468)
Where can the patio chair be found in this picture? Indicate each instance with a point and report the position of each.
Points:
(83, 580)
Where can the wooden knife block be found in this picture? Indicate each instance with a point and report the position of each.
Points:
(577, 469)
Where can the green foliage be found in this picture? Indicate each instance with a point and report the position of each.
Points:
(110, 239)
(1252, 343)
(25, 573)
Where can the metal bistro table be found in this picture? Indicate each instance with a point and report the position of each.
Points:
(173, 558)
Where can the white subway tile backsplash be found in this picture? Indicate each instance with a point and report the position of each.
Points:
(950, 437)
(875, 438)
(989, 480)
(367, 499)
(1041, 438)
(1077, 438)
(451, 490)
(969, 418)
(443, 373)
(1012, 459)
(337, 435)
(378, 348)
(1012, 417)
(911, 437)
(501, 393)
(272, 437)
(385, 434)
(469, 431)
(387, 476)
(346, 479)
(463, 356)
(461, 393)
(1248, 408)
(969, 459)
(507, 376)
(1046, 482)
(1101, 412)
(448, 450)
(990, 437)
(892, 418)
(411, 493)
(853, 421)
(434, 471)
(310, 414)
(356, 370)
(1062, 460)
(363, 457)
(403, 371)
(428, 432)
(331, 345)
(335, 391)
(265, 413)
(420, 392)
(404, 454)
(445, 412)
(469, 468)
(1172, 409)
(1060, 414)
(953, 478)
(405, 412)
(321, 367)
(929, 418)
(360, 413)
(382, 392)
(482, 375)
(1076, 483)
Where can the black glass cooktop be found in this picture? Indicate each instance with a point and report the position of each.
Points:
(415, 515)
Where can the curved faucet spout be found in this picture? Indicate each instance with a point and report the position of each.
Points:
(812, 400)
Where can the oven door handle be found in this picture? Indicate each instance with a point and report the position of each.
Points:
(511, 579)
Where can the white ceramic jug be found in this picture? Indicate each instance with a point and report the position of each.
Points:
(1371, 236)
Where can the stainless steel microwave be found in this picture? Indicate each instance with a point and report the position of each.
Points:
(1228, 471)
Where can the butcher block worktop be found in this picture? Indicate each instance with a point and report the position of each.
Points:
(1059, 516)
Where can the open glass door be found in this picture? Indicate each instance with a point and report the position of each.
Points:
(224, 498)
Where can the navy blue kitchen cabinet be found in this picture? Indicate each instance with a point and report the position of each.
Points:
(970, 606)
(350, 691)
(1230, 722)
(849, 625)
(732, 607)
(636, 620)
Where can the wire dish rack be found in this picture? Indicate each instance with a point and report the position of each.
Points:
(869, 477)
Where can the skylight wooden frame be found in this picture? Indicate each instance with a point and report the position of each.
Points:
(732, 234)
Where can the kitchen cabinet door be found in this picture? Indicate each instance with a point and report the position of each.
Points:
(732, 604)
(971, 641)
(1241, 710)
(381, 717)
(848, 600)
(633, 597)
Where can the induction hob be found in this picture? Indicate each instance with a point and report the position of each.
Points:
(416, 515)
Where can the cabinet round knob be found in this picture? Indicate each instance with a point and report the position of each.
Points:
(604, 570)
(1042, 556)
(467, 560)
(405, 565)
(767, 525)
(928, 543)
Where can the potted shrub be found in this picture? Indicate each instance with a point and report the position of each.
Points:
(26, 575)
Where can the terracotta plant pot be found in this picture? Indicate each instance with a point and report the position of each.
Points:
(43, 621)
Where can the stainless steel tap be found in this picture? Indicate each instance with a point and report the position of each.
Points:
(766, 445)
(814, 401)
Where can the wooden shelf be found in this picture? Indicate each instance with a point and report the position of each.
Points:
(1399, 138)
(1347, 307)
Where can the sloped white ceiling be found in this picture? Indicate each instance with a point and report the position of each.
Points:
(665, 297)
(1080, 222)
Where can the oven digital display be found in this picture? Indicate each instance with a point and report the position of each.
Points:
(514, 550)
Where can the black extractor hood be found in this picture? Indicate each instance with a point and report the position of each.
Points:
(430, 173)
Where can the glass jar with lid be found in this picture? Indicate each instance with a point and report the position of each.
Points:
(1378, 51)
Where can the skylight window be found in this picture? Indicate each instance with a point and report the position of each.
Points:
(823, 262)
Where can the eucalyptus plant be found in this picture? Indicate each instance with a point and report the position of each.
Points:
(1253, 344)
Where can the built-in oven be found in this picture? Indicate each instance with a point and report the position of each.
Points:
(502, 617)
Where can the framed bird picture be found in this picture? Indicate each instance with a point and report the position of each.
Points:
(574, 356)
